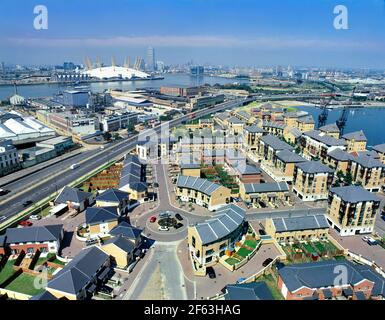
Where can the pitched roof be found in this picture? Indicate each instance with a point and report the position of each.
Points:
(248, 291)
(254, 129)
(96, 215)
(112, 195)
(331, 127)
(340, 155)
(273, 124)
(235, 120)
(306, 119)
(126, 230)
(300, 223)
(314, 167)
(2, 241)
(34, 234)
(276, 143)
(324, 138)
(122, 243)
(295, 132)
(132, 173)
(79, 271)
(72, 195)
(367, 161)
(246, 168)
(379, 148)
(356, 135)
(354, 194)
(379, 281)
(45, 295)
(266, 187)
(198, 184)
(221, 224)
(289, 156)
(300, 275)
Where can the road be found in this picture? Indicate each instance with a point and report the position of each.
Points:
(47, 181)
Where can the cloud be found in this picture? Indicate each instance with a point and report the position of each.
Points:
(198, 41)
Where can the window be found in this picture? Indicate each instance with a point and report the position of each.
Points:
(209, 259)
(193, 241)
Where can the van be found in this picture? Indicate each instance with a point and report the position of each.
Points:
(74, 166)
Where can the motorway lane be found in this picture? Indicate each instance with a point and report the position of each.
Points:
(14, 206)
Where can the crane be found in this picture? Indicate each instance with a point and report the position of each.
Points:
(323, 116)
(341, 122)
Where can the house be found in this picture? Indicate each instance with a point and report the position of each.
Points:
(190, 169)
(292, 135)
(251, 136)
(209, 240)
(114, 198)
(120, 249)
(202, 192)
(247, 173)
(281, 166)
(305, 123)
(101, 220)
(235, 125)
(45, 295)
(367, 171)
(274, 128)
(331, 130)
(128, 231)
(79, 279)
(75, 198)
(312, 180)
(46, 239)
(352, 210)
(298, 281)
(133, 178)
(356, 141)
(338, 160)
(248, 291)
(304, 228)
(380, 149)
(316, 144)
(266, 192)
(269, 145)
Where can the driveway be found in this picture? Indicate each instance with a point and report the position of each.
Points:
(206, 287)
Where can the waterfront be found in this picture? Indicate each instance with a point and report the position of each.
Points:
(44, 90)
(370, 120)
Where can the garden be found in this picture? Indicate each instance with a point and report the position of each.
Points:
(243, 250)
(219, 175)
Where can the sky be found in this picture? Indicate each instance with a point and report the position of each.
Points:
(219, 32)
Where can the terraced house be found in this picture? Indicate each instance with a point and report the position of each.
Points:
(274, 128)
(266, 192)
(202, 192)
(133, 178)
(298, 281)
(307, 228)
(316, 145)
(209, 240)
(114, 198)
(367, 171)
(352, 210)
(312, 180)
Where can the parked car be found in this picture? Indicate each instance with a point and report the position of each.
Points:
(241, 280)
(90, 242)
(164, 215)
(267, 262)
(262, 204)
(152, 219)
(163, 228)
(156, 185)
(365, 238)
(25, 223)
(27, 203)
(178, 217)
(211, 272)
(178, 225)
(372, 242)
(35, 217)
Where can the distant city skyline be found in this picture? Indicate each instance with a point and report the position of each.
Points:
(218, 32)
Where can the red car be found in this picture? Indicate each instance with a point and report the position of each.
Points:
(152, 219)
(26, 223)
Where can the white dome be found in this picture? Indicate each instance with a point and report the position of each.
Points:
(116, 72)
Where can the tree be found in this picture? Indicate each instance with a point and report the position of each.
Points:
(107, 136)
(348, 178)
(340, 175)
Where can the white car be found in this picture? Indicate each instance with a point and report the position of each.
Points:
(163, 228)
(365, 238)
(35, 217)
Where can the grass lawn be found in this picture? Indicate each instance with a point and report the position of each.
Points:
(309, 248)
(330, 246)
(251, 243)
(291, 109)
(232, 261)
(24, 283)
(320, 246)
(7, 271)
(269, 280)
(243, 252)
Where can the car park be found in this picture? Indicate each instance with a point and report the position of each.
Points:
(267, 262)
(211, 272)
(178, 217)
